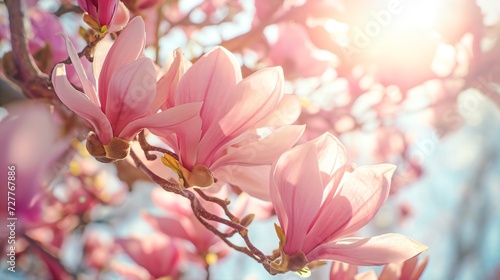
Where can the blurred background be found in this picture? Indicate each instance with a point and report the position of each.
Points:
(413, 83)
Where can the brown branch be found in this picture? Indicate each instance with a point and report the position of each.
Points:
(223, 203)
(68, 9)
(202, 215)
(147, 148)
(159, 14)
(34, 82)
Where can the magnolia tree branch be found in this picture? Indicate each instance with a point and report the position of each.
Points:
(33, 81)
(204, 216)
(147, 148)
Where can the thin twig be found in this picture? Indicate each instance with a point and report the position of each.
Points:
(223, 203)
(148, 148)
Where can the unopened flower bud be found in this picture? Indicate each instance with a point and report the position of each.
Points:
(116, 149)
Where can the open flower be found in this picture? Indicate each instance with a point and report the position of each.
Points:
(104, 15)
(319, 202)
(233, 108)
(122, 102)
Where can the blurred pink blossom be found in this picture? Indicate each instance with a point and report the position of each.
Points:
(296, 54)
(180, 222)
(311, 187)
(98, 249)
(31, 151)
(155, 252)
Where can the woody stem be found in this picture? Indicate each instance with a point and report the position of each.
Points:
(203, 216)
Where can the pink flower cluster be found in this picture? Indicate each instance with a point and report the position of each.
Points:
(222, 128)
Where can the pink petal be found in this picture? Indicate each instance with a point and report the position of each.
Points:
(88, 88)
(83, 4)
(391, 271)
(127, 48)
(120, 18)
(367, 189)
(106, 11)
(100, 53)
(171, 226)
(298, 182)
(264, 151)
(368, 275)
(343, 271)
(355, 204)
(170, 202)
(286, 112)
(408, 267)
(251, 101)
(130, 93)
(253, 180)
(331, 157)
(210, 80)
(156, 253)
(167, 85)
(182, 120)
(417, 272)
(378, 250)
(80, 104)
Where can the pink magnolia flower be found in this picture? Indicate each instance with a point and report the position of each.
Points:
(104, 15)
(319, 204)
(122, 102)
(156, 253)
(233, 108)
(28, 155)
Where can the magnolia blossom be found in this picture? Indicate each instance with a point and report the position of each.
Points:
(286, 49)
(319, 204)
(28, 165)
(104, 15)
(233, 108)
(123, 100)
